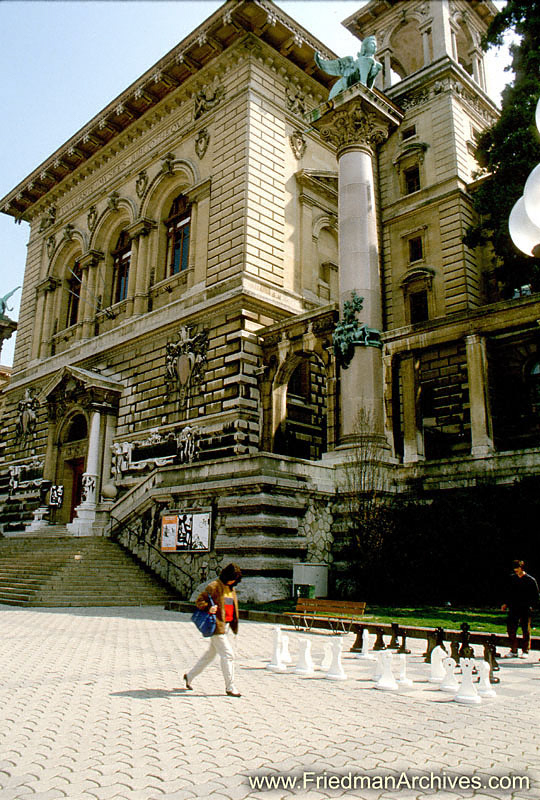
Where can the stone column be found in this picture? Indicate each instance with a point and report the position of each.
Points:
(413, 438)
(356, 121)
(138, 278)
(86, 511)
(481, 425)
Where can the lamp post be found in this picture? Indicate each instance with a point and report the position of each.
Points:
(524, 220)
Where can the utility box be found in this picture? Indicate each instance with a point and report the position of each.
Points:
(315, 575)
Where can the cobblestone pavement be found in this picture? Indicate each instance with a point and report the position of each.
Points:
(92, 706)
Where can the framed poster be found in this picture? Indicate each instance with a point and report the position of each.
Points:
(169, 533)
(186, 531)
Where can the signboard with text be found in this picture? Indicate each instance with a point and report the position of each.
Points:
(185, 531)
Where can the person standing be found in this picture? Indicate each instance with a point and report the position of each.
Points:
(521, 597)
(220, 598)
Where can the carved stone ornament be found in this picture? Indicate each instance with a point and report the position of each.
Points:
(185, 361)
(207, 99)
(91, 219)
(201, 142)
(349, 332)
(27, 417)
(51, 245)
(167, 164)
(298, 144)
(48, 219)
(68, 232)
(112, 201)
(141, 183)
(296, 102)
(355, 125)
(157, 450)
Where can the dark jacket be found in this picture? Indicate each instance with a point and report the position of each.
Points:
(216, 591)
(521, 593)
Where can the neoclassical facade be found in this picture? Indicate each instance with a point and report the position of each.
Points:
(191, 252)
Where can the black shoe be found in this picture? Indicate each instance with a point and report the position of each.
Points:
(233, 694)
(188, 685)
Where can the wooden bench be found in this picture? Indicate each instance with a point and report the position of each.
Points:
(338, 615)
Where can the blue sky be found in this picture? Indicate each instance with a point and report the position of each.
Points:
(62, 61)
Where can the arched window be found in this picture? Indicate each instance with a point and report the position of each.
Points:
(74, 294)
(121, 260)
(77, 430)
(178, 225)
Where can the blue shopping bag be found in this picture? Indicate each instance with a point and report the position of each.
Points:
(205, 622)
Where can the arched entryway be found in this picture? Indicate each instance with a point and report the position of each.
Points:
(71, 463)
(302, 431)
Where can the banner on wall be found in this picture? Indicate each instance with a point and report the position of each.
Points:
(185, 531)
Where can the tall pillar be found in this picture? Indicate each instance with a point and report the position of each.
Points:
(86, 511)
(138, 271)
(481, 426)
(356, 121)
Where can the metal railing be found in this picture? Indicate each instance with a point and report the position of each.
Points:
(117, 528)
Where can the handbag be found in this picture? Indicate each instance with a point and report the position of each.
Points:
(205, 622)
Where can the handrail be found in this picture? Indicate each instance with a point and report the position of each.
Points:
(126, 526)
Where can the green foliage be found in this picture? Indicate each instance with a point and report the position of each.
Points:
(510, 149)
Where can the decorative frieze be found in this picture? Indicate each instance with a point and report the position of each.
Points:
(157, 450)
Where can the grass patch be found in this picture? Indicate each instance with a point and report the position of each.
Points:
(479, 619)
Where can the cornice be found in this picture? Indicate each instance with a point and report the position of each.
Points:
(217, 34)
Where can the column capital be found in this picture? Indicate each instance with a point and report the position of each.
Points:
(91, 258)
(356, 119)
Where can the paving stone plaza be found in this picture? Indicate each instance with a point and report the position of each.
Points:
(93, 706)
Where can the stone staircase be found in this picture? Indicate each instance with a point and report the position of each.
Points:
(55, 569)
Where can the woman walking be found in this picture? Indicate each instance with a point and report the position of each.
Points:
(220, 598)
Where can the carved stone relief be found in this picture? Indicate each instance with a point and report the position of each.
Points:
(141, 183)
(207, 99)
(27, 417)
(298, 144)
(201, 142)
(185, 361)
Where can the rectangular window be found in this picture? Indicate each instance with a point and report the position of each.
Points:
(418, 305)
(408, 133)
(122, 276)
(180, 246)
(416, 249)
(412, 179)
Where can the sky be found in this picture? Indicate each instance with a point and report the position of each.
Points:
(63, 61)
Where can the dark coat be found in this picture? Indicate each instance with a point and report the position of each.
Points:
(216, 591)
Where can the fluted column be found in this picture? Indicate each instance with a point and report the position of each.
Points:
(356, 122)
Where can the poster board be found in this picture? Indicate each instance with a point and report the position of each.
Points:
(186, 531)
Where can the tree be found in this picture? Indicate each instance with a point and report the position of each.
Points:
(510, 149)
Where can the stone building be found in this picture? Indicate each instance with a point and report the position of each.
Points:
(187, 267)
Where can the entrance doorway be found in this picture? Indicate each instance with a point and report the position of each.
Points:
(76, 467)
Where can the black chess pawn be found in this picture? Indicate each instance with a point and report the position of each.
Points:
(395, 634)
(357, 644)
(489, 656)
(379, 641)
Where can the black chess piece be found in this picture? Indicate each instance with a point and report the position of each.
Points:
(403, 646)
(379, 641)
(357, 644)
(394, 640)
(489, 656)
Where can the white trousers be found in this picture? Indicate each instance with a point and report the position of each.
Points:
(221, 646)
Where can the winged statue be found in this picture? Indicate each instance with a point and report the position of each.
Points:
(362, 69)
(3, 302)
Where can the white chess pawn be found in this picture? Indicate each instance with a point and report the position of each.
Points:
(365, 654)
(285, 655)
(378, 671)
(327, 657)
(467, 691)
(387, 681)
(276, 664)
(484, 687)
(336, 671)
(403, 681)
(449, 683)
(437, 670)
(305, 662)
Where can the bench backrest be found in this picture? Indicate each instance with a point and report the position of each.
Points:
(308, 605)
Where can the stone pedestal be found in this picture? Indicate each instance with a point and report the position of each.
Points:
(356, 121)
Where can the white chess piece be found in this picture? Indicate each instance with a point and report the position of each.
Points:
(365, 654)
(336, 671)
(403, 681)
(276, 664)
(467, 691)
(305, 662)
(387, 681)
(327, 657)
(437, 670)
(484, 687)
(378, 671)
(285, 655)
(449, 683)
